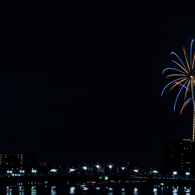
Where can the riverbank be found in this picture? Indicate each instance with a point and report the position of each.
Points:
(93, 181)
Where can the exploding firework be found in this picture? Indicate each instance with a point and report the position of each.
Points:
(184, 79)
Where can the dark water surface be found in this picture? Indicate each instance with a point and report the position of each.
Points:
(55, 190)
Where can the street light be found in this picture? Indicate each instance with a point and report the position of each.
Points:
(98, 167)
(136, 170)
(187, 173)
(72, 170)
(53, 170)
(174, 172)
(34, 170)
(123, 168)
(110, 166)
(85, 168)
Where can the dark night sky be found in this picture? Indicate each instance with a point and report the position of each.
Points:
(81, 81)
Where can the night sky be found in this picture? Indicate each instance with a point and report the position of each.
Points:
(81, 81)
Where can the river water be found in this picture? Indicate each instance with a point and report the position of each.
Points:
(55, 190)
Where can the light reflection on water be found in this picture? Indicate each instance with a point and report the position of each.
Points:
(155, 191)
(33, 190)
(8, 191)
(135, 191)
(21, 190)
(72, 190)
(53, 190)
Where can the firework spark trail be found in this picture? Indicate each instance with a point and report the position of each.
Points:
(178, 95)
(184, 105)
(171, 69)
(184, 78)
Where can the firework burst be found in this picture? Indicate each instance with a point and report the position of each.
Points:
(184, 78)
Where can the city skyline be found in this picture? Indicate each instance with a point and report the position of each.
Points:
(81, 81)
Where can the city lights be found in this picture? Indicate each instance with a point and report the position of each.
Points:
(53, 170)
(174, 172)
(72, 170)
(34, 171)
(187, 173)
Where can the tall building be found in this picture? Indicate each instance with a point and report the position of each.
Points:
(180, 158)
(16, 160)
